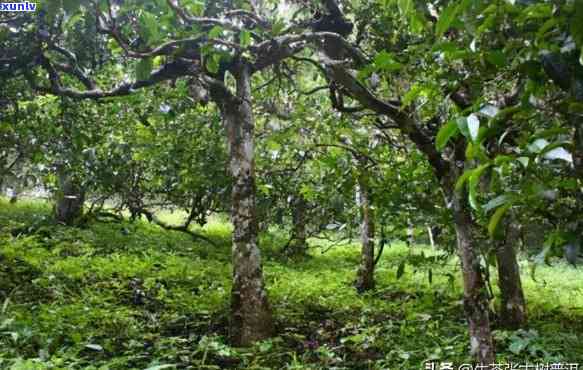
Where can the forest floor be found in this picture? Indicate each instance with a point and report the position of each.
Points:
(134, 296)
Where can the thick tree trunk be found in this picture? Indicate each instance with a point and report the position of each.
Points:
(475, 296)
(251, 317)
(365, 279)
(70, 198)
(299, 245)
(513, 304)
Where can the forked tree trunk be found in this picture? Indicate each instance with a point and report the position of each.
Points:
(475, 295)
(251, 317)
(513, 305)
(299, 245)
(70, 198)
(365, 278)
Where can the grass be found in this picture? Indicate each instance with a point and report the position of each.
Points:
(134, 296)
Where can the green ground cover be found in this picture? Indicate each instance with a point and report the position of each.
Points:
(134, 296)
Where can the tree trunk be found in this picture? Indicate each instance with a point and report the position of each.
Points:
(578, 146)
(69, 199)
(299, 245)
(475, 295)
(410, 233)
(430, 234)
(251, 317)
(475, 298)
(365, 279)
(16, 190)
(513, 305)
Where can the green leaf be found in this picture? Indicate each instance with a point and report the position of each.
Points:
(245, 38)
(524, 161)
(517, 346)
(473, 183)
(213, 63)
(196, 8)
(416, 22)
(357, 339)
(445, 133)
(462, 180)
(495, 219)
(479, 152)
(546, 27)
(446, 18)
(215, 32)
(277, 27)
(496, 202)
(414, 18)
(551, 132)
(537, 11)
(384, 61)
(462, 123)
(74, 19)
(502, 159)
(405, 6)
(412, 94)
(143, 69)
(497, 58)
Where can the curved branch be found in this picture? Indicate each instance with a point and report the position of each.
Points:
(189, 19)
(355, 153)
(168, 71)
(181, 228)
(314, 90)
(274, 50)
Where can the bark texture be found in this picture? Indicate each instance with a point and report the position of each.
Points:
(299, 245)
(578, 146)
(251, 316)
(69, 200)
(365, 278)
(475, 295)
(513, 305)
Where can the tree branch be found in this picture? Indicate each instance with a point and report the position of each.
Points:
(168, 71)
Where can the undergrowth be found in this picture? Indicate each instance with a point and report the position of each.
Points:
(134, 296)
